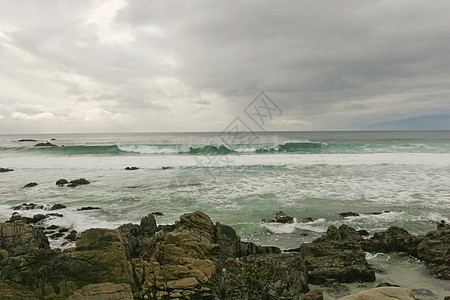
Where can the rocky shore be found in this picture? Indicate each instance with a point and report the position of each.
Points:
(198, 259)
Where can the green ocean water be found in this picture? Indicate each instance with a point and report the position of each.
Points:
(404, 176)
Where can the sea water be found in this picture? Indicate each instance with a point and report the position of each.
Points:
(403, 177)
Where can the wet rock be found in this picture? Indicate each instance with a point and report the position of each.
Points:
(268, 220)
(31, 184)
(363, 232)
(131, 168)
(167, 168)
(280, 217)
(76, 182)
(157, 213)
(4, 170)
(55, 215)
(35, 219)
(27, 206)
(419, 292)
(62, 182)
(387, 284)
(393, 239)
(337, 257)
(72, 236)
(305, 220)
(348, 214)
(382, 293)
(46, 144)
(38, 217)
(56, 235)
(57, 206)
(88, 208)
(105, 291)
(63, 230)
(338, 290)
(27, 140)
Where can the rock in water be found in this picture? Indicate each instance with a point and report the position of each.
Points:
(337, 257)
(31, 184)
(348, 214)
(76, 182)
(4, 170)
(131, 168)
(382, 293)
(88, 208)
(57, 206)
(27, 140)
(47, 144)
(280, 217)
(62, 182)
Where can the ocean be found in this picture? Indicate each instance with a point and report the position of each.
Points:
(388, 178)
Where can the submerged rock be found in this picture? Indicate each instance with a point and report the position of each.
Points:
(348, 214)
(31, 184)
(77, 182)
(62, 182)
(382, 293)
(131, 168)
(46, 144)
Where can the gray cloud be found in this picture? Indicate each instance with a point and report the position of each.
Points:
(178, 66)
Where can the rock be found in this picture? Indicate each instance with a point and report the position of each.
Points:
(363, 232)
(338, 290)
(62, 182)
(394, 239)
(274, 276)
(313, 295)
(157, 213)
(4, 170)
(268, 220)
(337, 257)
(131, 168)
(77, 182)
(46, 144)
(3, 254)
(55, 215)
(56, 235)
(104, 291)
(72, 236)
(382, 293)
(57, 206)
(52, 227)
(422, 292)
(63, 230)
(306, 220)
(31, 184)
(37, 218)
(382, 284)
(348, 214)
(27, 206)
(18, 238)
(148, 226)
(280, 217)
(167, 168)
(88, 208)
(27, 140)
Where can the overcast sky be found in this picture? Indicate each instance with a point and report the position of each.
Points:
(124, 66)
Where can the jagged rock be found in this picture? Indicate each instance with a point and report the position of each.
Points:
(280, 217)
(4, 170)
(275, 276)
(31, 184)
(18, 237)
(337, 256)
(27, 206)
(62, 182)
(394, 239)
(57, 206)
(88, 208)
(348, 214)
(131, 168)
(382, 293)
(35, 219)
(104, 291)
(76, 182)
(46, 144)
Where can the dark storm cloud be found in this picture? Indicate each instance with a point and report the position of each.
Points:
(134, 65)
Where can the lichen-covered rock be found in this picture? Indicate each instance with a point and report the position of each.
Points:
(382, 293)
(337, 256)
(261, 277)
(18, 238)
(103, 291)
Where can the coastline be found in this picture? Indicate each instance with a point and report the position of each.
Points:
(197, 259)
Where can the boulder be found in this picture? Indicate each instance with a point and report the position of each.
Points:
(57, 206)
(280, 217)
(393, 239)
(382, 293)
(337, 257)
(27, 206)
(103, 291)
(62, 182)
(77, 182)
(31, 184)
(348, 214)
(18, 238)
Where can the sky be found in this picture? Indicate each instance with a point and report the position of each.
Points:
(155, 66)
